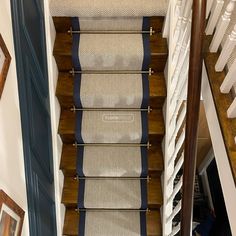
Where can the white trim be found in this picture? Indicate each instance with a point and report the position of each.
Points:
(223, 166)
(206, 162)
(55, 114)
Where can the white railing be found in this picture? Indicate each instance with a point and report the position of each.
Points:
(177, 30)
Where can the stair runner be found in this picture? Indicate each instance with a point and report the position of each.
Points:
(111, 129)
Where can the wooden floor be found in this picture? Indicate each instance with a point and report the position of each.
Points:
(62, 53)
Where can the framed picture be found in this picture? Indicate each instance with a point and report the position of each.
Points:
(5, 60)
(11, 216)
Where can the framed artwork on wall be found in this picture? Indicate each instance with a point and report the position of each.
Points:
(5, 60)
(11, 216)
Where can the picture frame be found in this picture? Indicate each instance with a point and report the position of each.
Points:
(11, 216)
(5, 60)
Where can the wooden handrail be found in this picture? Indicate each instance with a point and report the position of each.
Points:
(192, 115)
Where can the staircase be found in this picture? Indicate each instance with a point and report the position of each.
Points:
(108, 192)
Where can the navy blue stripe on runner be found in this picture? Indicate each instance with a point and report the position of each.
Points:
(145, 80)
(146, 62)
(145, 85)
(143, 224)
(80, 160)
(81, 194)
(82, 216)
(78, 128)
(144, 203)
(146, 44)
(75, 61)
(144, 161)
(75, 44)
(144, 120)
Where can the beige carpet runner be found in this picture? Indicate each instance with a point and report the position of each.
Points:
(111, 95)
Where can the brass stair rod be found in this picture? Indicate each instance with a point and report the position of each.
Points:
(110, 209)
(73, 72)
(150, 31)
(74, 109)
(148, 145)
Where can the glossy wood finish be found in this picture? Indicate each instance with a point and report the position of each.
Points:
(72, 219)
(192, 115)
(65, 86)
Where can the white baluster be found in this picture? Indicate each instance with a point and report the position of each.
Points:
(183, 56)
(175, 230)
(176, 190)
(215, 13)
(182, 41)
(178, 146)
(222, 26)
(172, 172)
(175, 211)
(178, 8)
(226, 51)
(178, 124)
(181, 27)
(209, 6)
(230, 79)
(177, 168)
(178, 97)
(231, 112)
(166, 28)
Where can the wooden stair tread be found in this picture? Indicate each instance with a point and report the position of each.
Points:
(63, 24)
(70, 192)
(62, 54)
(65, 86)
(71, 223)
(68, 160)
(67, 125)
(222, 102)
(158, 45)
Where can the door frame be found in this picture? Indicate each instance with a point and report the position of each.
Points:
(15, 13)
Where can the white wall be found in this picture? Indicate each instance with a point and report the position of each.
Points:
(12, 174)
